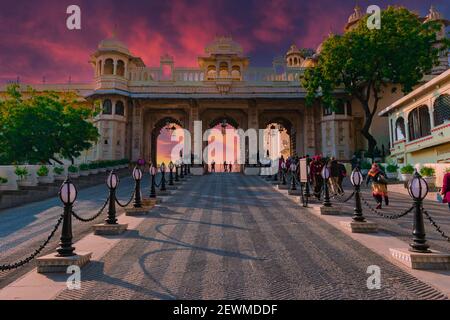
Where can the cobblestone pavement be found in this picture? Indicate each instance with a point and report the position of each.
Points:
(233, 237)
(23, 229)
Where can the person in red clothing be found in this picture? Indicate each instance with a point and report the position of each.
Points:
(315, 170)
(446, 188)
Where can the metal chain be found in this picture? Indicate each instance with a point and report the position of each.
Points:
(128, 203)
(381, 214)
(20, 263)
(434, 224)
(94, 217)
(338, 198)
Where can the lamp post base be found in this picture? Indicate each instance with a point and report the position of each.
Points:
(330, 211)
(109, 229)
(360, 227)
(136, 211)
(434, 260)
(53, 264)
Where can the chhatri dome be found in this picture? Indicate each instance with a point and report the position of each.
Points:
(354, 18)
(294, 57)
(435, 15)
(113, 44)
(224, 45)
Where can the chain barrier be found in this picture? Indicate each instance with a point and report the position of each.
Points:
(12, 266)
(383, 215)
(94, 217)
(434, 224)
(129, 201)
(339, 198)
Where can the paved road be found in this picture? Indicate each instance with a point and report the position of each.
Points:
(233, 237)
(23, 229)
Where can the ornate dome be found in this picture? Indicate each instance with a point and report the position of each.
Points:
(113, 44)
(309, 63)
(224, 45)
(293, 50)
(435, 15)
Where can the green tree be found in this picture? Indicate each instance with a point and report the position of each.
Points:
(363, 61)
(44, 126)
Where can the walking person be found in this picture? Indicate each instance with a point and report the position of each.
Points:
(230, 166)
(379, 185)
(213, 166)
(342, 175)
(334, 176)
(225, 166)
(445, 191)
(315, 170)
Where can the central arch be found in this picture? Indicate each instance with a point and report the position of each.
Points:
(285, 127)
(157, 131)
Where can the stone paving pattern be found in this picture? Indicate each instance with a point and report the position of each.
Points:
(233, 237)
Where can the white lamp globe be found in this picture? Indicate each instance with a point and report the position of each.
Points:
(418, 187)
(68, 193)
(137, 174)
(113, 181)
(356, 178)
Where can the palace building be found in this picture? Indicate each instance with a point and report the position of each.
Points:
(139, 101)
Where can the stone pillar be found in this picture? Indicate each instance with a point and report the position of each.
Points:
(253, 121)
(137, 130)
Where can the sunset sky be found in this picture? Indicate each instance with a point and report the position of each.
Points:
(35, 41)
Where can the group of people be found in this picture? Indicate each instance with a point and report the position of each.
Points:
(376, 177)
(227, 167)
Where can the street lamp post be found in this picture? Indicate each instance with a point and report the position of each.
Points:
(177, 177)
(293, 170)
(163, 178)
(171, 165)
(152, 182)
(307, 192)
(356, 179)
(137, 175)
(182, 170)
(68, 194)
(112, 182)
(326, 177)
(418, 190)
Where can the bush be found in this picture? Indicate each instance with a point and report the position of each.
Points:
(392, 168)
(22, 173)
(93, 166)
(84, 167)
(408, 169)
(3, 180)
(58, 170)
(366, 165)
(73, 169)
(43, 171)
(427, 172)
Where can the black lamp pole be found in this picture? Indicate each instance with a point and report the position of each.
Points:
(112, 204)
(419, 236)
(170, 175)
(293, 183)
(65, 246)
(137, 194)
(163, 179)
(358, 215)
(152, 187)
(177, 178)
(326, 199)
(182, 171)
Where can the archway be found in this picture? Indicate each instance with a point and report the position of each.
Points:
(285, 144)
(162, 145)
(224, 145)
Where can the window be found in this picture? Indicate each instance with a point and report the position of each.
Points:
(340, 107)
(107, 107)
(211, 74)
(419, 123)
(400, 129)
(327, 110)
(349, 108)
(109, 66)
(120, 68)
(236, 73)
(441, 110)
(223, 70)
(120, 109)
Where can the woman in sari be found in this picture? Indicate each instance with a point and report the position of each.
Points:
(379, 185)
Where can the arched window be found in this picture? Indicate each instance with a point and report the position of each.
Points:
(109, 66)
(441, 109)
(120, 68)
(236, 73)
(223, 70)
(100, 67)
(419, 123)
(211, 75)
(120, 109)
(400, 129)
(295, 61)
(290, 61)
(107, 107)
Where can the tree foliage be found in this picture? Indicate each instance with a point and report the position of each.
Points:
(39, 127)
(363, 61)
